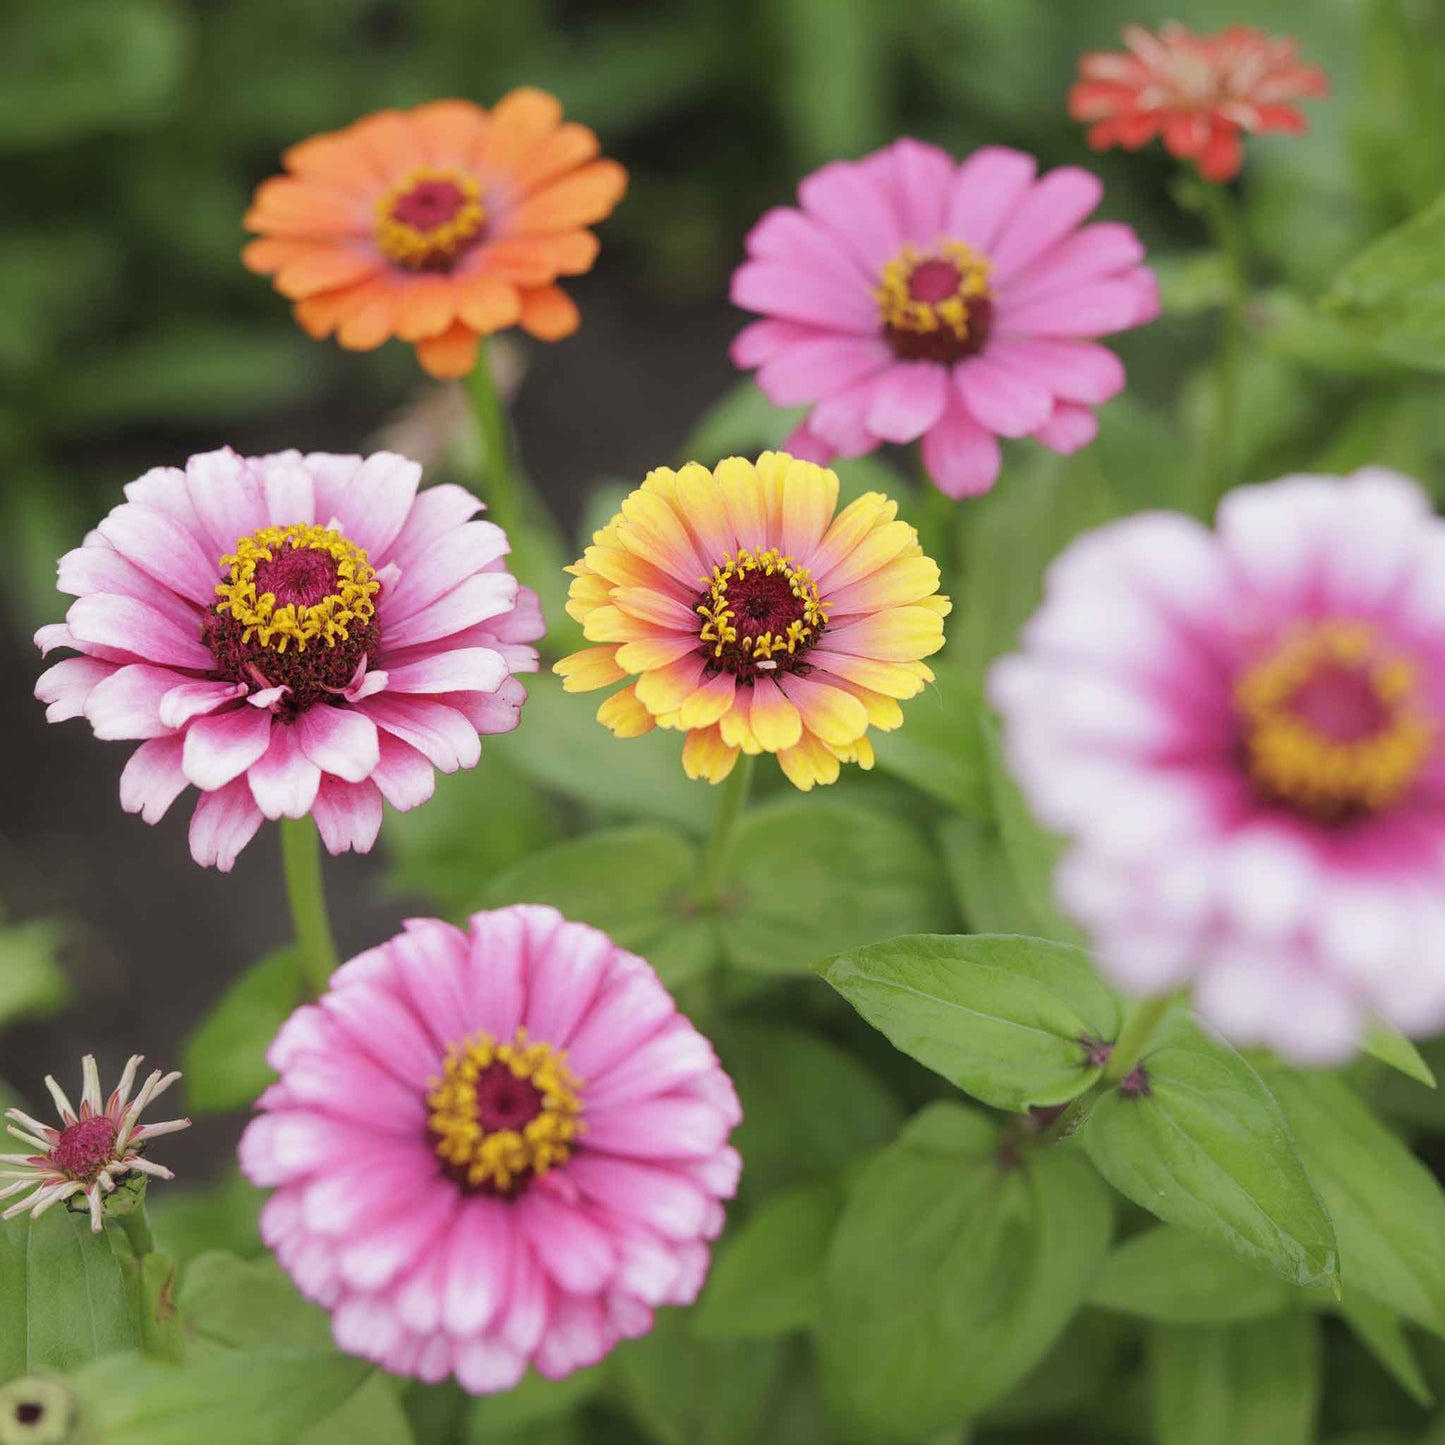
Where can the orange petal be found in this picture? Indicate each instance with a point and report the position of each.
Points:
(705, 755)
(488, 305)
(624, 715)
(389, 144)
(519, 122)
(425, 307)
(372, 319)
(334, 158)
(535, 260)
(452, 132)
(326, 268)
(566, 148)
(549, 313)
(452, 354)
(270, 253)
(577, 199)
(321, 314)
(591, 668)
(285, 206)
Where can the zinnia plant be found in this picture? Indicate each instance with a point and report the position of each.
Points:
(493, 1146)
(911, 296)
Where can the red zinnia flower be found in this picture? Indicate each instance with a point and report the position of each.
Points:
(1198, 91)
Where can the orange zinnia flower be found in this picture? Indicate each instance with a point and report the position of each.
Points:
(437, 225)
(742, 608)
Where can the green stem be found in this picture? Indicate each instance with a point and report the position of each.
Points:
(137, 1230)
(1217, 207)
(504, 500)
(1134, 1038)
(301, 859)
(732, 795)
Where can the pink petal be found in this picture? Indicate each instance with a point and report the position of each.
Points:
(806, 447)
(339, 740)
(857, 210)
(440, 732)
(840, 421)
(814, 369)
(381, 1252)
(165, 488)
(153, 778)
(628, 1013)
(195, 699)
(100, 568)
(1091, 310)
(405, 777)
(443, 565)
(139, 629)
(429, 957)
(565, 979)
(65, 687)
(497, 977)
(223, 823)
(284, 781)
(348, 815)
(1095, 251)
(1006, 402)
(489, 713)
(331, 474)
(577, 1253)
(1074, 370)
(1070, 428)
(1053, 208)
(435, 512)
(288, 489)
(477, 1270)
(762, 340)
(127, 704)
(907, 399)
(984, 193)
(921, 177)
(221, 748)
(664, 1199)
(464, 669)
(161, 547)
(228, 501)
(374, 507)
(673, 1055)
(961, 456)
(480, 597)
(796, 240)
(796, 295)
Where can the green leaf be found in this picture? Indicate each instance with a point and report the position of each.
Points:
(1388, 1209)
(1379, 1330)
(372, 1416)
(767, 1279)
(190, 1221)
(63, 1297)
(1178, 1278)
(633, 883)
(161, 1331)
(813, 876)
(1393, 294)
(227, 1398)
(982, 878)
(950, 1277)
(687, 1391)
(536, 1401)
(1244, 1384)
(251, 1305)
(1008, 1020)
(939, 749)
(31, 982)
(1074, 1377)
(1391, 1047)
(835, 1108)
(1206, 1147)
(224, 1059)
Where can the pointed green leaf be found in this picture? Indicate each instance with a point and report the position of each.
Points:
(1391, 1047)
(1009, 1020)
(1205, 1146)
(1381, 1332)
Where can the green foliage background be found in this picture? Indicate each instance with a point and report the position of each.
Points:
(903, 1264)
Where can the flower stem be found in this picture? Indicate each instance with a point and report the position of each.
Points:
(1220, 214)
(1135, 1037)
(732, 795)
(504, 500)
(301, 859)
(137, 1229)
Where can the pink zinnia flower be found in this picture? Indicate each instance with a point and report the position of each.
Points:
(291, 635)
(912, 296)
(1200, 92)
(95, 1145)
(493, 1147)
(1240, 732)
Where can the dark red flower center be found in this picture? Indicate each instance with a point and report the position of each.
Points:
(936, 307)
(429, 204)
(86, 1147)
(1341, 704)
(760, 614)
(430, 220)
(504, 1101)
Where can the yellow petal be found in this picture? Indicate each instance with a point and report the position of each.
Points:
(589, 669)
(776, 722)
(624, 715)
(705, 755)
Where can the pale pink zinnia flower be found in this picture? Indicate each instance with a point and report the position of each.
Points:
(95, 1145)
(493, 1147)
(291, 634)
(1240, 732)
(913, 296)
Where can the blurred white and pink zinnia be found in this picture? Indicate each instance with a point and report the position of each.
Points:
(291, 634)
(913, 296)
(1239, 731)
(493, 1147)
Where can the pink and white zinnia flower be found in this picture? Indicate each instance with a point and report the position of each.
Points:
(291, 634)
(492, 1147)
(1240, 731)
(95, 1145)
(912, 296)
